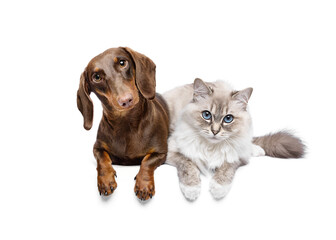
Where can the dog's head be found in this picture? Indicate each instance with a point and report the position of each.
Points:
(119, 77)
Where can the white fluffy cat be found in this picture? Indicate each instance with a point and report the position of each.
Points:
(211, 132)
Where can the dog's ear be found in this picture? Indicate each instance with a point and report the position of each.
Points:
(144, 73)
(84, 102)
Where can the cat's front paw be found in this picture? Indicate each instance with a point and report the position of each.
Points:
(217, 190)
(191, 193)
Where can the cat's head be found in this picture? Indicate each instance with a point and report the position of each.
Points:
(217, 112)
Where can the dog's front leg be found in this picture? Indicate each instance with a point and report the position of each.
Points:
(144, 186)
(106, 173)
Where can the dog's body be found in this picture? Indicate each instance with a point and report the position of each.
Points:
(135, 122)
(125, 140)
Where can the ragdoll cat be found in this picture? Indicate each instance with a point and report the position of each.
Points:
(211, 132)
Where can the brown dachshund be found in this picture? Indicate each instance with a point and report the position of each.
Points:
(135, 122)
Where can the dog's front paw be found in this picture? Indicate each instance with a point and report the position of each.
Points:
(107, 184)
(217, 190)
(191, 193)
(144, 189)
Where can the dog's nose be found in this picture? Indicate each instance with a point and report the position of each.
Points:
(126, 101)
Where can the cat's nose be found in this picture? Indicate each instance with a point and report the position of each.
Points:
(215, 131)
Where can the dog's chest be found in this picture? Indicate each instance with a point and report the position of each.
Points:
(126, 146)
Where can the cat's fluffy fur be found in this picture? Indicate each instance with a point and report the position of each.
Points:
(214, 146)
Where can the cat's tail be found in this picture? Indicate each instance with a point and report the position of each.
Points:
(282, 144)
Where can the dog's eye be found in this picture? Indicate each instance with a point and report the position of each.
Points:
(96, 77)
(122, 63)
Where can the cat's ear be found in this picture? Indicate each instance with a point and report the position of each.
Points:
(201, 90)
(242, 96)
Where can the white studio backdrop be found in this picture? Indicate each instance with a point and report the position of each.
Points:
(285, 50)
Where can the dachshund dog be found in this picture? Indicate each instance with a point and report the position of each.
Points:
(135, 123)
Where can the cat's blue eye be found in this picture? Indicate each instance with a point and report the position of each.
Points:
(206, 115)
(228, 118)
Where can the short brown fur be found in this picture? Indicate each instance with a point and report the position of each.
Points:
(135, 122)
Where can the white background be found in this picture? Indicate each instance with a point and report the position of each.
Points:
(285, 50)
